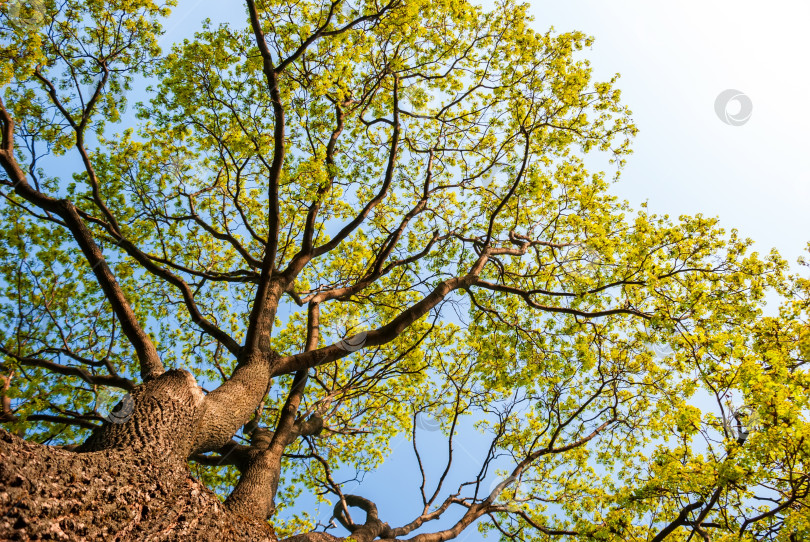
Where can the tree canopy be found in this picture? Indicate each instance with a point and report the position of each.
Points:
(362, 220)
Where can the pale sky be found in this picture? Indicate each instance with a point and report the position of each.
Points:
(675, 58)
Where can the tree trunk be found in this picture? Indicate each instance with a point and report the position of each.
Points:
(129, 481)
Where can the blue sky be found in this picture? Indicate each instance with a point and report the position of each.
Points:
(675, 58)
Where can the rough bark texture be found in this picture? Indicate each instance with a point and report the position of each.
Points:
(163, 420)
(128, 481)
(52, 494)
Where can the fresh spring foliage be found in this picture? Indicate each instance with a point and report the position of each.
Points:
(617, 363)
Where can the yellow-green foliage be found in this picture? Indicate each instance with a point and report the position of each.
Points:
(605, 364)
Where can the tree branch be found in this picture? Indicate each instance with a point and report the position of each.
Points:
(150, 363)
(95, 380)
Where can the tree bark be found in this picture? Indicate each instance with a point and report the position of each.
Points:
(128, 481)
(48, 493)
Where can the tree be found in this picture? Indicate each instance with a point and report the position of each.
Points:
(350, 221)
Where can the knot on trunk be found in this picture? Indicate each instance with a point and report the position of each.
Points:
(157, 418)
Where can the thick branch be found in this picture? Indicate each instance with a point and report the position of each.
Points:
(230, 406)
(57, 368)
(377, 337)
(150, 363)
(262, 314)
(371, 528)
(255, 493)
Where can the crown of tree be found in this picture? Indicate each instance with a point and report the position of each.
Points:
(348, 223)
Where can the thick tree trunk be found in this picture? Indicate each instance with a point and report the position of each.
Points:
(129, 481)
(52, 494)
